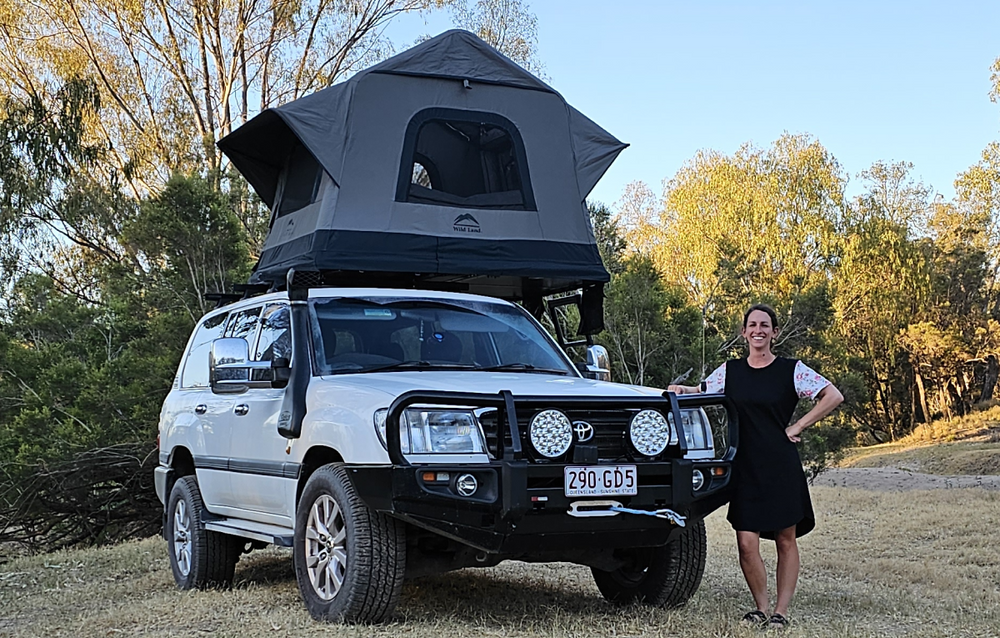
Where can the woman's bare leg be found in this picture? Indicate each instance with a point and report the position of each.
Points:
(753, 567)
(788, 568)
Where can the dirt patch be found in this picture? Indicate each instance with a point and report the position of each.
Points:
(894, 479)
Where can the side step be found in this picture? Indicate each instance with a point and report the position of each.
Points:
(274, 534)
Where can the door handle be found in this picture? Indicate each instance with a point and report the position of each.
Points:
(241, 409)
(200, 409)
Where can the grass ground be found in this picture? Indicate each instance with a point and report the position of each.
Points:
(922, 563)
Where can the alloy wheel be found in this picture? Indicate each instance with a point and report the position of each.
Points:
(182, 537)
(326, 547)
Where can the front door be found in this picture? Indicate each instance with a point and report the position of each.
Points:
(264, 480)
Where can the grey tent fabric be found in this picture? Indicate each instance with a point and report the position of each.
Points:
(504, 165)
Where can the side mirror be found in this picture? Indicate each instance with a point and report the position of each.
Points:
(282, 372)
(229, 366)
(598, 364)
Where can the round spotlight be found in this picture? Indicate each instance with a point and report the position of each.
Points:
(466, 485)
(551, 433)
(649, 432)
(697, 480)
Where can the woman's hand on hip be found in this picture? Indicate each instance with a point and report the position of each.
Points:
(793, 431)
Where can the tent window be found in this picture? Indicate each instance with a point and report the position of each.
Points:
(465, 159)
(301, 181)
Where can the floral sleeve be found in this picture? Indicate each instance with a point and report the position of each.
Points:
(808, 382)
(715, 383)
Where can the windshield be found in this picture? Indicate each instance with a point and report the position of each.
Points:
(383, 334)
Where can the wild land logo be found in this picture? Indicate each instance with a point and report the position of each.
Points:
(466, 223)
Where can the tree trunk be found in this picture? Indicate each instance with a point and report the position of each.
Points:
(923, 397)
(955, 394)
(990, 382)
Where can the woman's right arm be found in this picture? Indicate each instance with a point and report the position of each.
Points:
(715, 383)
(684, 389)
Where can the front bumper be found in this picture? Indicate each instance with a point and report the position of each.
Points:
(521, 508)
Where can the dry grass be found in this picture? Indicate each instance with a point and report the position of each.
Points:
(968, 445)
(957, 458)
(879, 564)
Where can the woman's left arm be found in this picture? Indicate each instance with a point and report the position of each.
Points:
(826, 401)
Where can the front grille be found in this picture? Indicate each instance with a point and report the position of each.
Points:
(610, 432)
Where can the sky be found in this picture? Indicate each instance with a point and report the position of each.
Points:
(870, 80)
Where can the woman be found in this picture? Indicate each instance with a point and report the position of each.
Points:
(771, 497)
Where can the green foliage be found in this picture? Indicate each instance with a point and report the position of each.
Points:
(191, 241)
(823, 445)
(80, 373)
(610, 242)
(650, 329)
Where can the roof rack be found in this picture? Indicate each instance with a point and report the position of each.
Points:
(240, 291)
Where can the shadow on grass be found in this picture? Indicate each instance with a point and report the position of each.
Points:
(267, 567)
(503, 596)
(496, 597)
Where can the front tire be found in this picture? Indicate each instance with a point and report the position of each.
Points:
(199, 559)
(349, 560)
(660, 576)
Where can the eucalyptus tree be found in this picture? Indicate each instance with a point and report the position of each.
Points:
(176, 75)
(507, 25)
(881, 283)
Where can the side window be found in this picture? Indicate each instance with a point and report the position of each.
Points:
(195, 374)
(301, 181)
(465, 159)
(275, 339)
(244, 324)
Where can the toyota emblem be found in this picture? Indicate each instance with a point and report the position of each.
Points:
(584, 431)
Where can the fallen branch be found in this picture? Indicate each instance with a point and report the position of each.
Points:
(97, 497)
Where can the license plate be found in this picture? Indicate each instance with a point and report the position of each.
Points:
(600, 480)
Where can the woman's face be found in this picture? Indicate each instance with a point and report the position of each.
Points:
(759, 331)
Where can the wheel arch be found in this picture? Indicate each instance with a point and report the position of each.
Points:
(315, 458)
(181, 461)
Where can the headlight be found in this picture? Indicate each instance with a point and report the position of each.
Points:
(650, 433)
(441, 431)
(551, 433)
(697, 431)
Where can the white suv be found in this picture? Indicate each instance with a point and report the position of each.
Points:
(383, 434)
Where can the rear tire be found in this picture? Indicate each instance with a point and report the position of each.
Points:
(349, 560)
(199, 559)
(660, 576)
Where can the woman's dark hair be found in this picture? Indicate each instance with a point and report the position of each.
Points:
(763, 307)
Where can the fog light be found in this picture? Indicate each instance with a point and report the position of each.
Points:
(466, 485)
(697, 480)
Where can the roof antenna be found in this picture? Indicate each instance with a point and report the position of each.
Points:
(466, 84)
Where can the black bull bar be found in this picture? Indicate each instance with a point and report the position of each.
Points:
(505, 516)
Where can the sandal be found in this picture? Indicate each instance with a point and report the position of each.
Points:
(755, 617)
(777, 621)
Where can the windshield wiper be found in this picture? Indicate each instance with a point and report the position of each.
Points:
(520, 367)
(419, 365)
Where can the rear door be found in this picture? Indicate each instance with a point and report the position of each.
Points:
(202, 417)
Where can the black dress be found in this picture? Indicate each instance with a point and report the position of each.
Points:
(771, 493)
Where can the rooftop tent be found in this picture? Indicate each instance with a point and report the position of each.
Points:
(447, 164)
